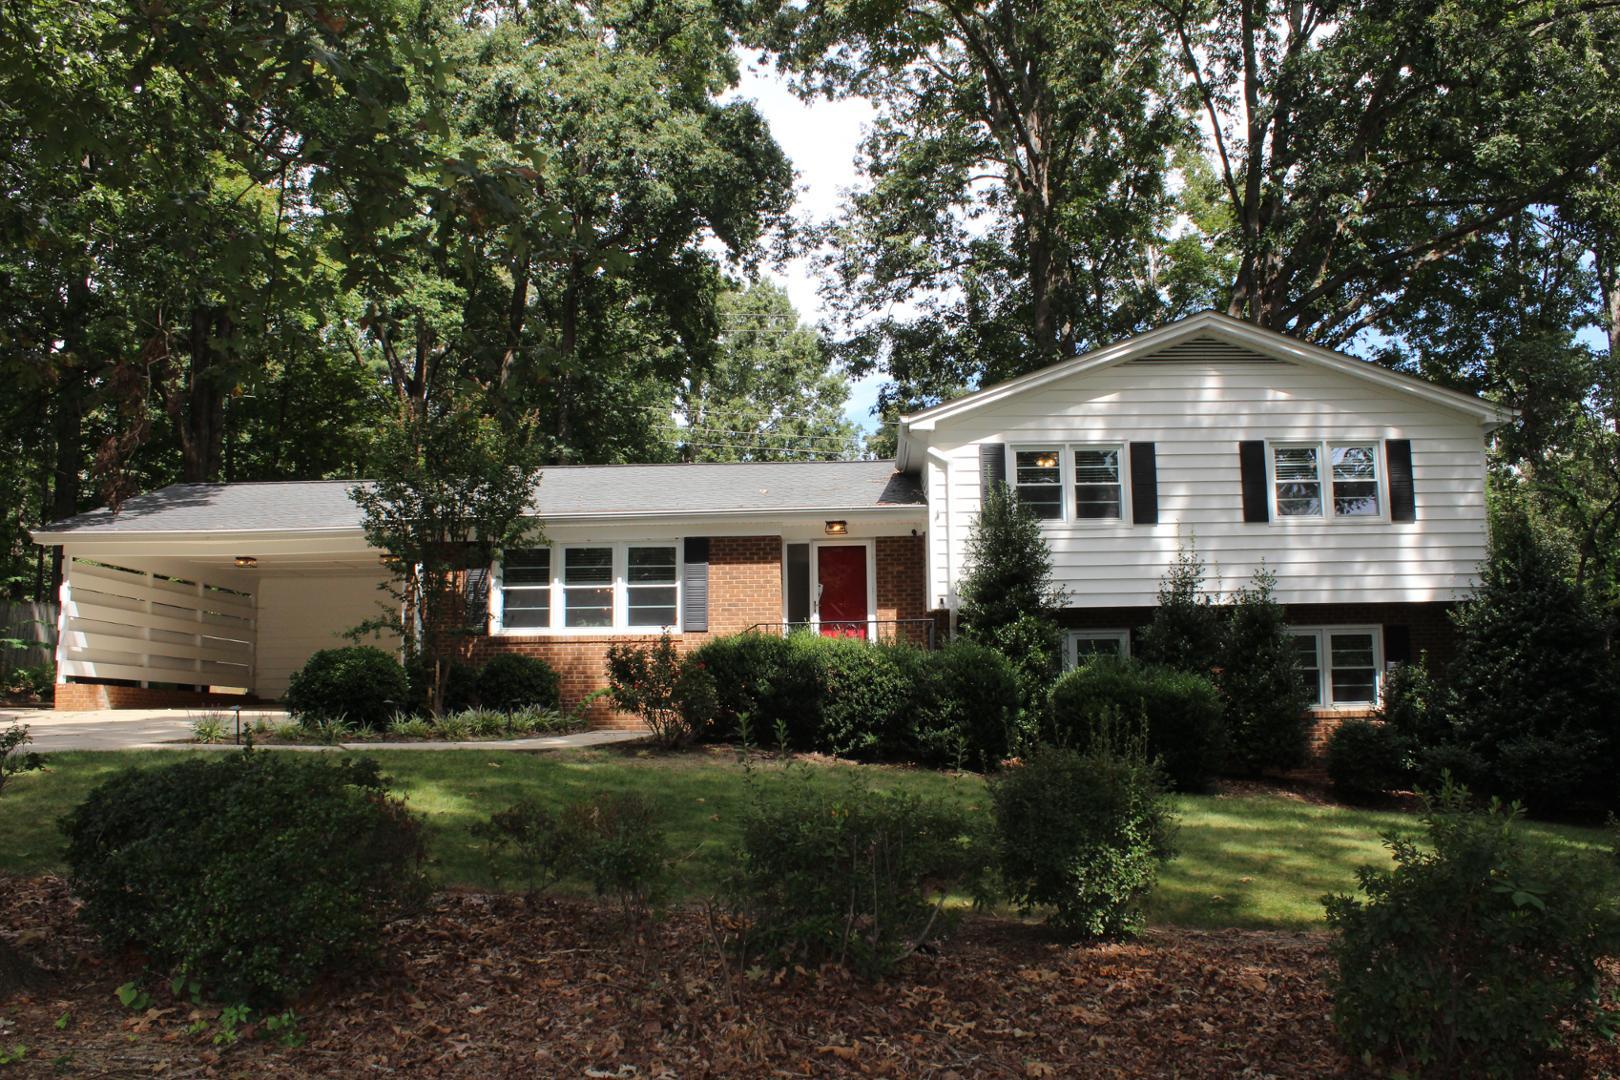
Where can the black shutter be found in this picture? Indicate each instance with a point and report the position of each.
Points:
(1252, 460)
(1144, 484)
(798, 583)
(478, 599)
(695, 585)
(992, 465)
(1402, 498)
(1397, 644)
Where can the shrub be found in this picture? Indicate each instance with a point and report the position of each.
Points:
(613, 842)
(1467, 956)
(1084, 833)
(1534, 674)
(362, 684)
(14, 758)
(460, 685)
(653, 681)
(1185, 633)
(1267, 726)
(1182, 713)
(405, 726)
(867, 695)
(1366, 759)
(966, 711)
(1414, 704)
(849, 876)
(511, 681)
(745, 669)
(252, 874)
(537, 836)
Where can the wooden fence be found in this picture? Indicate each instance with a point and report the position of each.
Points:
(32, 622)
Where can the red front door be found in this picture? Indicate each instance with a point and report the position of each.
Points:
(841, 583)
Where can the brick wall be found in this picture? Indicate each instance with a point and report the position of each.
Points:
(902, 571)
(82, 697)
(745, 588)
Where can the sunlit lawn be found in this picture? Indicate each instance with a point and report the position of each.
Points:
(1251, 861)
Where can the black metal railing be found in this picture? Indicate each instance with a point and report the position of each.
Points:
(918, 632)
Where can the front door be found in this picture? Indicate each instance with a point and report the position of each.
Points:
(841, 590)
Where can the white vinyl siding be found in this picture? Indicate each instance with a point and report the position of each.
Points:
(299, 614)
(1196, 408)
(1339, 664)
(584, 588)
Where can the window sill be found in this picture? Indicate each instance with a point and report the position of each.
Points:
(585, 631)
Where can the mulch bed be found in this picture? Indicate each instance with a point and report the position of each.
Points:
(489, 986)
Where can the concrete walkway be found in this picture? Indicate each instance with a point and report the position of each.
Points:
(170, 729)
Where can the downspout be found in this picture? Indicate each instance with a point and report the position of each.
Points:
(950, 537)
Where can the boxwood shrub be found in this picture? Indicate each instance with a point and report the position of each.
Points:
(966, 711)
(250, 875)
(1366, 759)
(1182, 712)
(360, 684)
(512, 681)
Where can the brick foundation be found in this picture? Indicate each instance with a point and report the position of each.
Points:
(83, 697)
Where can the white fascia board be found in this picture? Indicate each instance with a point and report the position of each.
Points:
(1266, 342)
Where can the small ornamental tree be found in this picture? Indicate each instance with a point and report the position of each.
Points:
(1534, 681)
(450, 488)
(1009, 601)
(1186, 629)
(1266, 721)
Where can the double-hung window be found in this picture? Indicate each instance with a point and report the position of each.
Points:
(526, 588)
(631, 587)
(1081, 645)
(1348, 471)
(1038, 479)
(1338, 664)
(1076, 483)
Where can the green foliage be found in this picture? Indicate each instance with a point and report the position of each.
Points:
(670, 693)
(536, 835)
(1009, 567)
(1266, 720)
(28, 684)
(1187, 625)
(510, 682)
(252, 874)
(847, 876)
(210, 729)
(1467, 957)
(966, 709)
(1534, 680)
(460, 685)
(360, 684)
(615, 842)
(1181, 713)
(1084, 833)
(14, 758)
(1366, 759)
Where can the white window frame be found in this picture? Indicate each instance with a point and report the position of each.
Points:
(497, 591)
(1324, 473)
(1066, 480)
(1072, 639)
(559, 592)
(1324, 659)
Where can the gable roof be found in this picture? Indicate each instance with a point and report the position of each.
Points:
(564, 492)
(1213, 326)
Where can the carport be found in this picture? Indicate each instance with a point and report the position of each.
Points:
(207, 592)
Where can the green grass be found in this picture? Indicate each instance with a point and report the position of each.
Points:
(1253, 861)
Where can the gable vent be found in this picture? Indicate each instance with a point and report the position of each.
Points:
(1205, 350)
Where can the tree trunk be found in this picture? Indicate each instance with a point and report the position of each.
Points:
(202, 425)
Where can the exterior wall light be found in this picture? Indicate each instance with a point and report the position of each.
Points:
(246, 562)
(836, 528)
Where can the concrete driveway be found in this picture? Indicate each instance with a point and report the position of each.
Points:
(170, 729)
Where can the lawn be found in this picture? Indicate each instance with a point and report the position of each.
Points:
(1245, 861)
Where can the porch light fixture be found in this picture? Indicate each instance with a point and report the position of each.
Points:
(836, 528)
(246, 562)
(388, 560)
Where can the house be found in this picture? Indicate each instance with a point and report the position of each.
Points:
(1362, 490)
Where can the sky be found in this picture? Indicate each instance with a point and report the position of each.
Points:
(821, 138)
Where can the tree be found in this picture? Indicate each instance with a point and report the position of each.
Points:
(1266, 719)
(1020, 206)
(1186, 629)
(451, 487)
(1008, 598)
(771, 394)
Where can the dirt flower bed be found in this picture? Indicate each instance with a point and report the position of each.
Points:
(488, 986)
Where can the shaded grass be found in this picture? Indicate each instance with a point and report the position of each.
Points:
(1259, 861)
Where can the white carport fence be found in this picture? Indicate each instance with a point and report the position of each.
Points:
(152, 628)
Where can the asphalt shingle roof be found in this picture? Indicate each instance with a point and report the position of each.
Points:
(564, 491)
